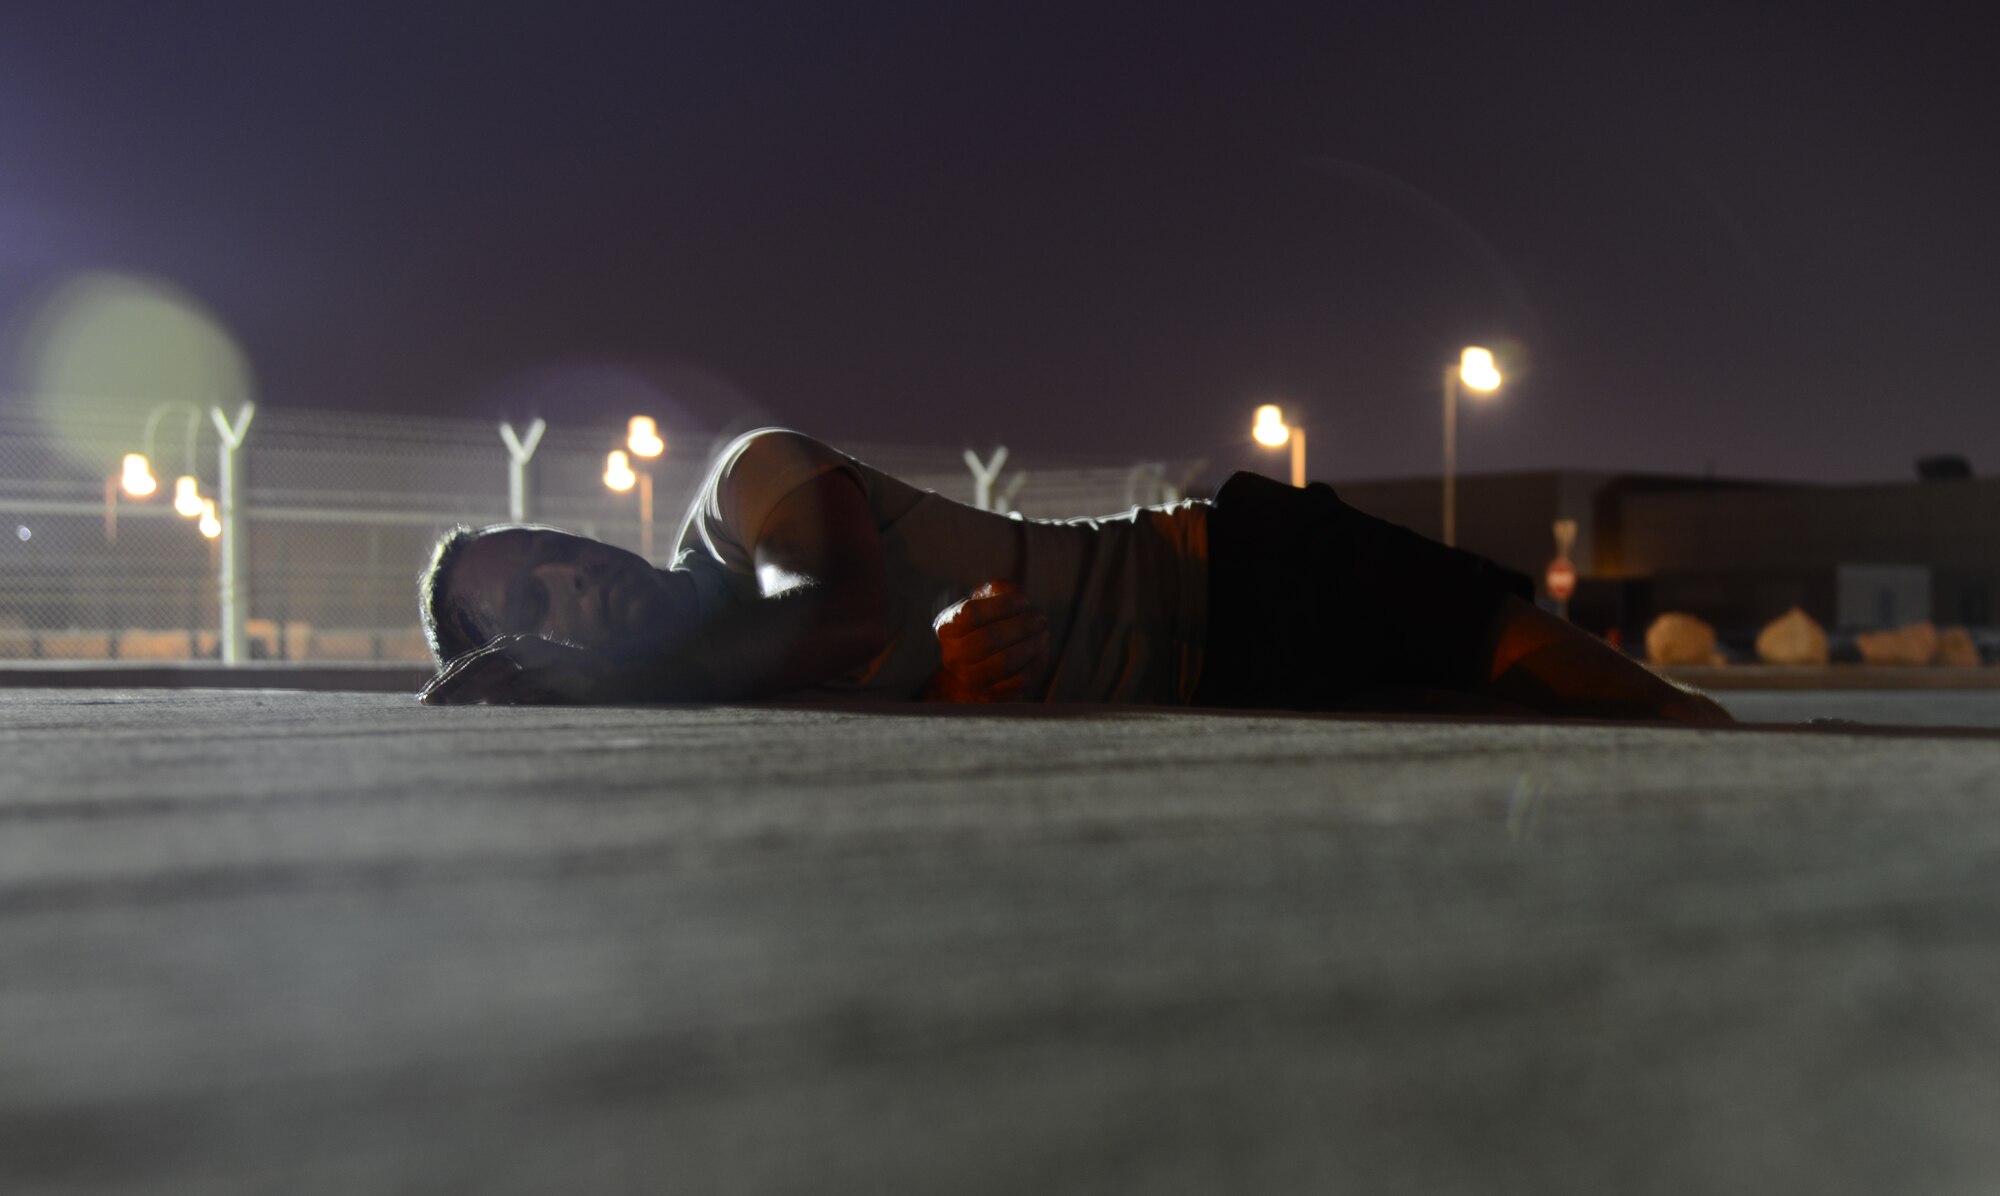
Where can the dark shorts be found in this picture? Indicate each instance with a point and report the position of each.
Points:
(1313, 605)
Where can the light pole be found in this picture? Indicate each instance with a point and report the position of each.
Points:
(135, 476)
(619, 476)
(1271, 431)
(1476, 370)
(220, 518)
(642, 436)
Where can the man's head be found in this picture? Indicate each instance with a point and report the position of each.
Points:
(536, 580)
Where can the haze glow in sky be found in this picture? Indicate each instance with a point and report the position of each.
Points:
(1760, 245)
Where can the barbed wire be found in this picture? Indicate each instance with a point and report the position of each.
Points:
(340, 511)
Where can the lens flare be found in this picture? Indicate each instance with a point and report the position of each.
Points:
(102, 351)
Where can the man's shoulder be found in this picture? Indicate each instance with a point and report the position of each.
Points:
(774, 456)
(749, 478)
(774, 442)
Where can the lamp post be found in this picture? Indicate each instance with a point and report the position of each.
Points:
(1271, 431)
(1476, 370)
(642, 436)
(136, 479)
(135, 474)
(221, 518)
(619, 476)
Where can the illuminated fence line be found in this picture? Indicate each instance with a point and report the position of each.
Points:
(339, 513)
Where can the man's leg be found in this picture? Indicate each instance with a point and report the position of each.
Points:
(1315, 605)
(1544, 663)
(1318, 606)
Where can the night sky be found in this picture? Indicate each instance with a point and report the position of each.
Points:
(1760, 244)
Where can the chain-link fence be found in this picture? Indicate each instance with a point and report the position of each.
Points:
(338, 512)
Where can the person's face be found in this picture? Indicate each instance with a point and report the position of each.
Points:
(538, 581)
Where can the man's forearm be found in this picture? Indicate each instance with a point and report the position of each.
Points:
(777, 645)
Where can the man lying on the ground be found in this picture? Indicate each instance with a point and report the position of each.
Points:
(805, 574)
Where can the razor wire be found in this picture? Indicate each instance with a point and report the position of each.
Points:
(340, 513)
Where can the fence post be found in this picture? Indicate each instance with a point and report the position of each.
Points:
(984, 475)
(519, 452)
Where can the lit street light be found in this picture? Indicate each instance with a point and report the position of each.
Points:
(620, 476)
(643, 438)
(220, 518)
(618, 471)
(188, 502)
(137, 477)
(1477, 371)
(1271, 431)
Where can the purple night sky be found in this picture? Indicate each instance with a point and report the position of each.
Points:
(1764, 245)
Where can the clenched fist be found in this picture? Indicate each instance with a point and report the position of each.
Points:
(993, 645)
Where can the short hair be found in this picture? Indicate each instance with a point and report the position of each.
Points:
(447, 628)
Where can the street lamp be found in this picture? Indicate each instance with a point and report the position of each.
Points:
(1477, 371)
(135, 470)
(1271, 431)
(137, 476)
(188, 502)
(220, 518)
(618, 471)
(642, 436)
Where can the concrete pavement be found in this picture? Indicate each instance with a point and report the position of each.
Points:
(1898, 708)
(264, 941)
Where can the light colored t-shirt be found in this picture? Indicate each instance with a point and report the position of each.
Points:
(1126, 595)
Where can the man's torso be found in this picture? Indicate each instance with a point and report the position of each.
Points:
(1126, 595)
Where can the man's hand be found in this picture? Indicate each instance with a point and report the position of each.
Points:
(993, 644)
(521, 670)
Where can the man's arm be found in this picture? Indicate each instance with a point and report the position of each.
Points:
(824, 609)
(823, 612)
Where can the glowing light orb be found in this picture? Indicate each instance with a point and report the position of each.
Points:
(210, 525)
(1477, 370)
(1270, 429)
(644, 437)
(187, 497)
(618, 471)
(136, 477)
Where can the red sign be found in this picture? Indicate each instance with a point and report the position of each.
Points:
(1561, 579)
